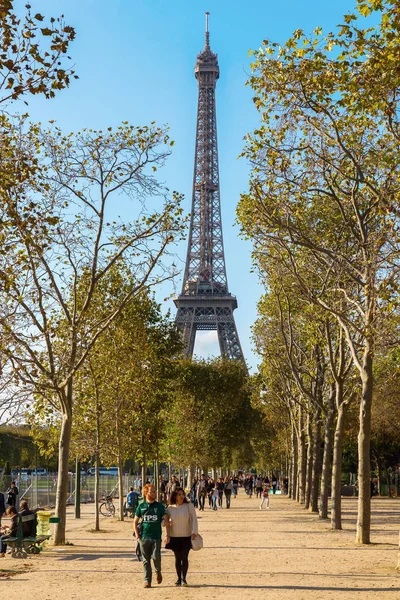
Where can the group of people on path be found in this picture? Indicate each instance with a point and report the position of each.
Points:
(178, 515)
(215, 491)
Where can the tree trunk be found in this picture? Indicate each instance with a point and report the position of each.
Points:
(96, 492)
(327, 459)
(144, 470)
(121, 489)
(308, 464)
(336, 500)
(62, 482)
(294, 467)
(379, 474)
(301, 495)
(316, 460)
(364, 443)
(77, 489)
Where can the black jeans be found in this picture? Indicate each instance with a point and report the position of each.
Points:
(228, 494)
(220, 495)
(201, 501)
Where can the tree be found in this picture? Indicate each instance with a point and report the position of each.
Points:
(61, 247)
(209, 397)
(32, 54)
(325, 174)
(33, 59)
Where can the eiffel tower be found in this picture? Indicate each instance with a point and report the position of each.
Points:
(205, 302)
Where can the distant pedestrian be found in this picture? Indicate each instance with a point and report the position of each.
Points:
(250, 486)
(228, 487)
(274, 483)
(210, 489)
(12, 494)
(259, 487)
(235, 485)
(181, 530)
(221, 487)
(214, 496)
(372, 487)
(202, 491)
(265, 497)
(147, 525)
(194, 492)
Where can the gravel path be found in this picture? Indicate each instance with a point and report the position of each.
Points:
(283, 552)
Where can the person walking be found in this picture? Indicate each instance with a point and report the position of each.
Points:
(250, 484)
(274, 483)
(210, 489)
(259, 487)
(228, 487)
(235, 485)
(194, 492)
(221, 487)
(202, 491)
(150, 514)
(265, 497)
(214, 496)
(182, 528)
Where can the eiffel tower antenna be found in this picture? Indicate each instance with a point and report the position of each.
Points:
(207, 45)
(205, 302)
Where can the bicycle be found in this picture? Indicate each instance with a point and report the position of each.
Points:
(107, 508)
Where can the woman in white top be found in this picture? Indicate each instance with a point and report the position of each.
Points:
(181, 529)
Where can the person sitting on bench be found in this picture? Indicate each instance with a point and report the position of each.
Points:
(27, 526)
(132, 500)
(10, 531)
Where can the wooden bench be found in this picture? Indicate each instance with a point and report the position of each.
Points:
(31, 544)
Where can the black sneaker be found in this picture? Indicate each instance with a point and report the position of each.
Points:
(184, 583)
(178, 583)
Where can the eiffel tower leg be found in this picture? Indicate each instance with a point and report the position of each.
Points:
(229, 340)
(185, 322)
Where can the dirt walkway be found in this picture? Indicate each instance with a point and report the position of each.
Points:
(286, 552)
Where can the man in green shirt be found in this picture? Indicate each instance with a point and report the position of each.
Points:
(150, 514)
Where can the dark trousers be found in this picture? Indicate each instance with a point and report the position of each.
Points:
(202, 499)
(220, 495)
(3, 545)
(150, 549)
(228, 494)
(274, 488)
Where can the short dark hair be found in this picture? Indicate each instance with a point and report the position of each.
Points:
(131, 489)
(23, 505)
(175, 493)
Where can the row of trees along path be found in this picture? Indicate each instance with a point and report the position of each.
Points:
(322, 212)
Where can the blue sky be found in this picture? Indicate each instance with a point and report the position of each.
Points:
(135, 61)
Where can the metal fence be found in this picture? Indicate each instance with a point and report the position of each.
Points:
(40, 491)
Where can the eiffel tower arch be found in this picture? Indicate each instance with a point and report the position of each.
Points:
(205, 302)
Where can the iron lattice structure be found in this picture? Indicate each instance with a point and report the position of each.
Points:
(205, 302)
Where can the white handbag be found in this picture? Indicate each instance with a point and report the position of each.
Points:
(197, 543)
